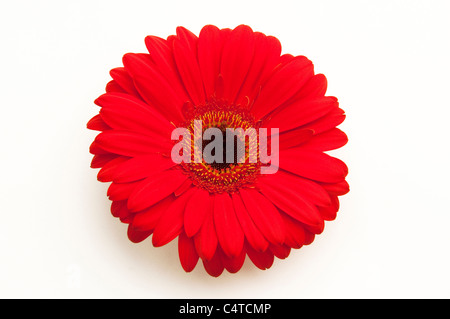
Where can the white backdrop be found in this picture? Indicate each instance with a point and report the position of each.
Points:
(386, 61)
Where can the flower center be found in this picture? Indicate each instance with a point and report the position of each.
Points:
(227, 172)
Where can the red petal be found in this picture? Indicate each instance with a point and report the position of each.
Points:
(337, 189)
(107, 173)
(159, 90)
(210, 46)
(214, 266)
(329, 121)
(301, 112)
(295, 232)
(188, 38)
(280, 251)
(229, 232)
(251, 232)
(187, 64)
(124, 80)
(97, 150)
(161, 54)
(313, 165)
(131, 144)
(142, 167)
(236, 60)
(309, 237)
(329, 213)
(327, 141)
(155, 188)
(314, 88)
(124, 112)
(265, 216)
(310, 191)
(100, 160)
(266, 57)
(262, 260)
(121, 191)
(187, 253)
(294, 138)
(187, 184)
(97, 124)
(170, 224)
(148, 218)
(136, 236)
(285, 59)
(113, 86)
(289, 201)
(282, 85)
(206, 238)
(234, 264)
(196, 210)
(119, 209)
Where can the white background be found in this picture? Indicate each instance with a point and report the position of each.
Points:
(386, 61)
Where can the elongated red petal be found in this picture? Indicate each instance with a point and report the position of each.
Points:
(206, 238)
(122, 191)
(282, 85)
(337, 189)
(155, 188)
(155, 88)
(107, 173)
(329, 212)
(148, 218)
(251, 232)
(170, 223)
(229, 232)
(292, 204)
(96, 149)
(295, 232)
(188, 38)
(124, 80)
(265, 58)
(210, 45)
(214, 266)
(161, 54)
(301, 112)
(233, 264)
(100, 160)
(307, 189)
(309, 237)
(236, 60)
(294, 138)
(113, 86)
(185, 54)
(196, 210)
(124, 112)
(131, 144)
(187, 253)
(97, 124)
(327, 141)
(332, 119)
(280, 251)
(315, 87)
(265, 216)
(119, 208)
(313, 165)
(137, 236)
(185, 186)
(262, 260)
(142, 167)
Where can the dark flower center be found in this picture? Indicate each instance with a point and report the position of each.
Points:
(228, 173)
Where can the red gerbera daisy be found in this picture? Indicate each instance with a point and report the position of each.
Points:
(221, 212)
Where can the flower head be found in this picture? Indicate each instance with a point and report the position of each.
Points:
(222, 210)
